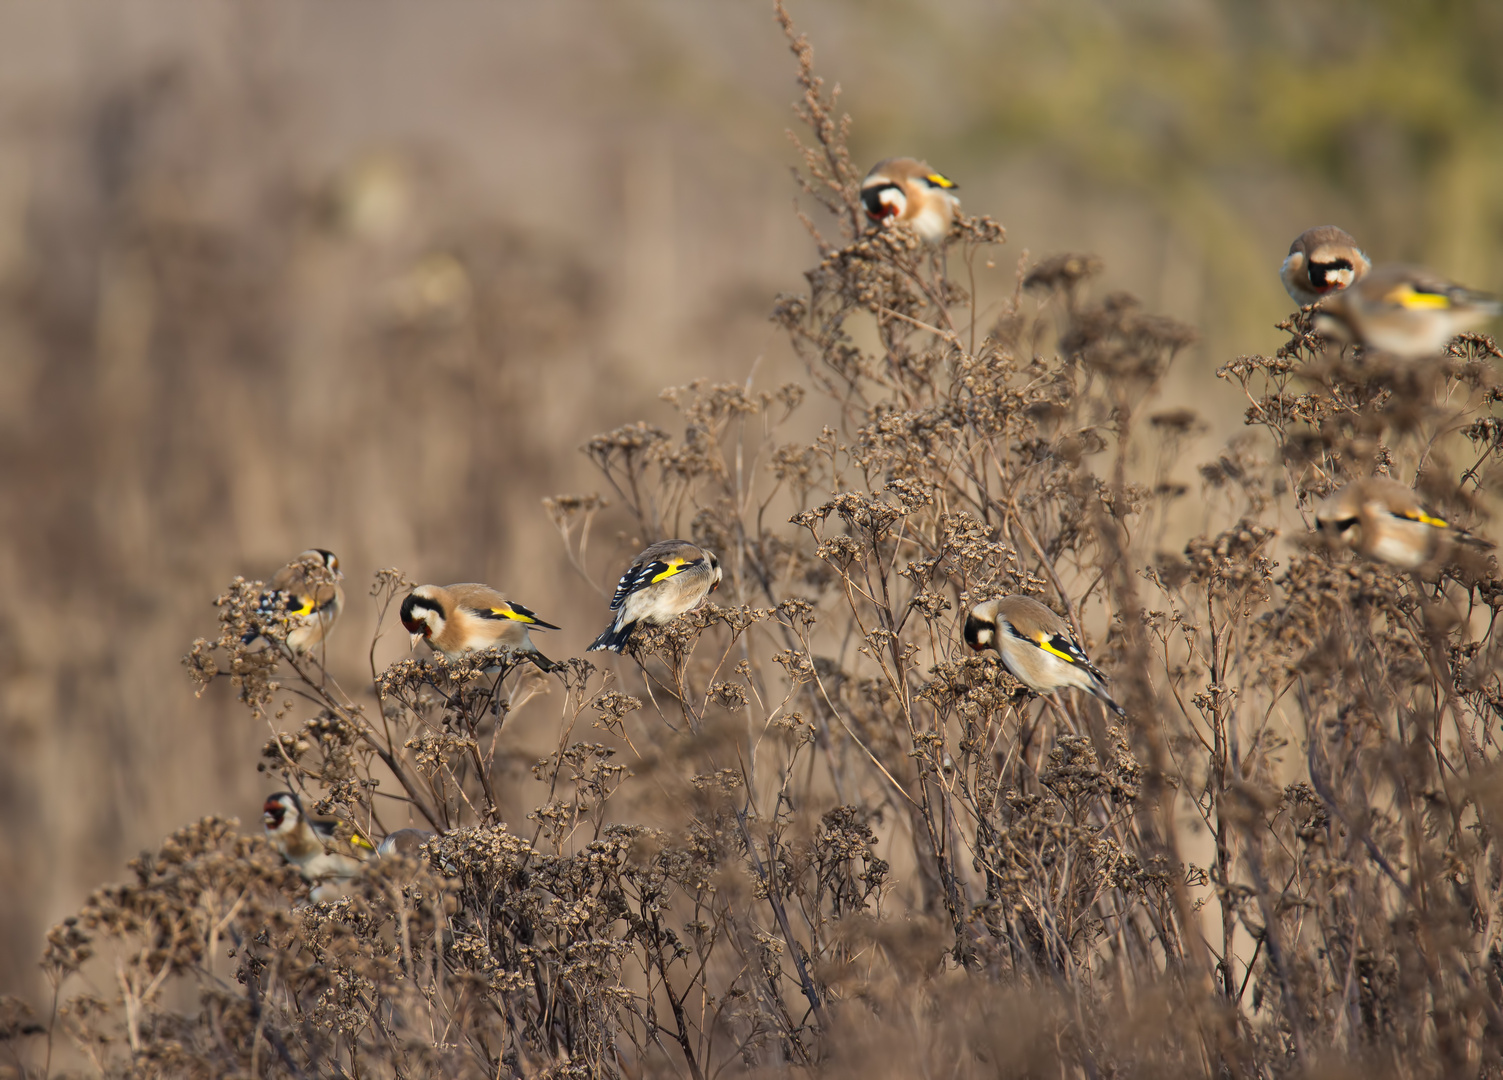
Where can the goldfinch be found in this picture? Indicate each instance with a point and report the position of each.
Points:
(1321, 261)
(408, 843)
(914, 194)
(309, 587)
(1404, 310)
(1036, 647)
(668, 579)
(460, 620)
(310, 842)
(1383, 520)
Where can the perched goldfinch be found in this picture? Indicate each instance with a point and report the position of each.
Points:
(1036, 647)
(1321, 261)
(460, 620)
(309, 586)
(1404, 310)
(310, 843)
(408, 843)
(914, 194)
(668, 579)
(1383, 520)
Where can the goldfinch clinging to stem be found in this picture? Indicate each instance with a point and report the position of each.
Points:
(1404, 310)
(668, 579)
(309, 588)
(1322, 261)
(1036, 646)
(461, 620)
(911, 192)
(1383, 520)
(311, 843)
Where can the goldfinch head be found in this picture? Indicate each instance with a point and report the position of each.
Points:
(329, 559)
(281, 813)
(885, 191)
(884, 201)
(713, 562)
(1321, 261)
(423, 614)
(980, 631)
(315, 557)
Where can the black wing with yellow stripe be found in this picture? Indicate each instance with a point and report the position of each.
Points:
(1067, 649)
(1424, 519)
(326, 829)
(297, 603)
(513, 612)
(639, 577)
(1426, 295)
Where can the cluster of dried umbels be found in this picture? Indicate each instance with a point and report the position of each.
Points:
(818, 836)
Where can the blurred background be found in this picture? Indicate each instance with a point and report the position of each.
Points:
(365, 276)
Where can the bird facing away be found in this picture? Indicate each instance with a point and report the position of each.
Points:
(911, 192)
(309, 587)
(1383, 520)
(1321, 261)
(461, 620)
(407, 843)
(1036, 647)
(668, 579)
(311, 843)
(1404, 310)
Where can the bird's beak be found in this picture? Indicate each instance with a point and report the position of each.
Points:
(416, 638)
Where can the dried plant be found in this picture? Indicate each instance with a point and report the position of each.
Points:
(807, 832)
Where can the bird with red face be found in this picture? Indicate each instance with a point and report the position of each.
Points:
(305, 598)
(910, 192)
(311, 842)
(1322, 261)
(458, 621)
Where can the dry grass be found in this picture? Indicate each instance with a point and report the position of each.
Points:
(798, 829)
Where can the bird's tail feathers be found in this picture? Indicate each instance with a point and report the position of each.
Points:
(1107, 699)
(614, 638)
(1473, 540)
